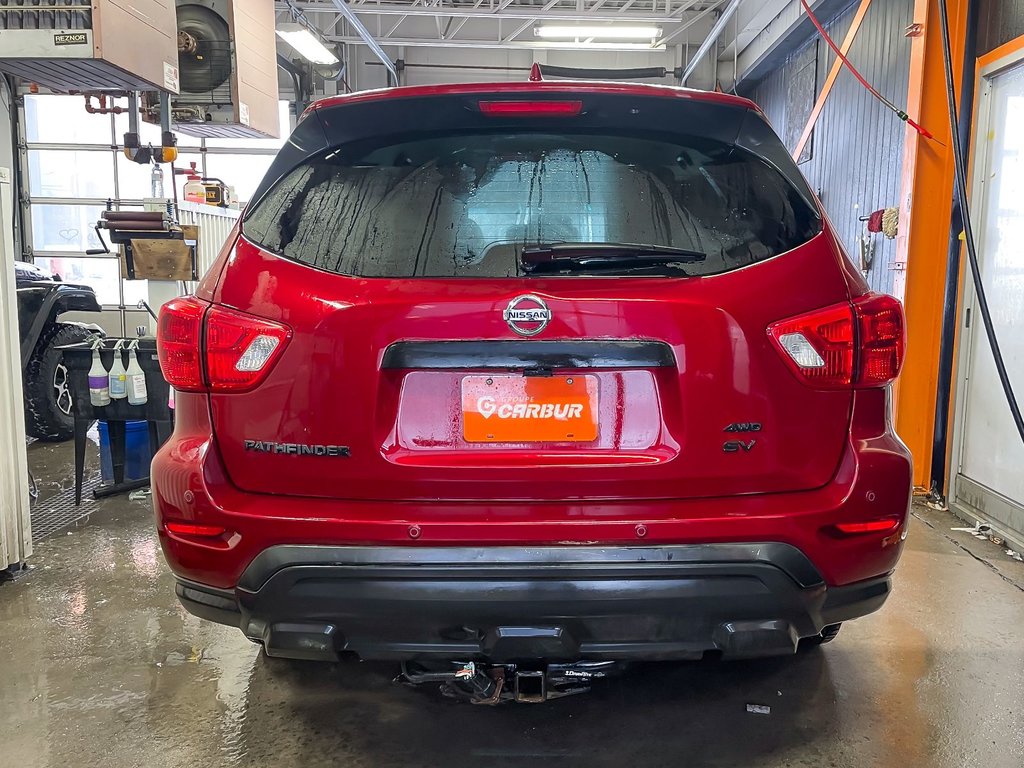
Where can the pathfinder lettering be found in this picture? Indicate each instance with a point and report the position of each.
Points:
(295, 449)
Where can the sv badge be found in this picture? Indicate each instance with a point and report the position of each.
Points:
(735, 446)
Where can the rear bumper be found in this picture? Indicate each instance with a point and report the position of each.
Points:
(518, 603)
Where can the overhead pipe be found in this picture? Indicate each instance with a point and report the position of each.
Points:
(367, 38)
(709, 41)
(102, 109)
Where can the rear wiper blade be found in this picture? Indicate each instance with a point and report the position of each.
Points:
(558, 257)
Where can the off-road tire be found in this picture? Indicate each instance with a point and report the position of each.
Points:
(48, 415)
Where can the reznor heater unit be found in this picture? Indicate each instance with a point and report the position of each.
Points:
(227, 55)
(90, 45)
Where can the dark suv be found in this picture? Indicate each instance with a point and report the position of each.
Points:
(532, 371)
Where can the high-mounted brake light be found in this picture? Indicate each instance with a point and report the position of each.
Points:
(849, 344)
(531, 108)
(205, 347)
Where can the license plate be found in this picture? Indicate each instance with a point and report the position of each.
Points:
(529, 409)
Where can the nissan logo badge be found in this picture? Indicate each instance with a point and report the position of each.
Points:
(527, 315)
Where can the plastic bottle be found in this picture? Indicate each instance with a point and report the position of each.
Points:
(99, 385)
(137, 394)
(156, 180)
(118, 376)
(194, 190)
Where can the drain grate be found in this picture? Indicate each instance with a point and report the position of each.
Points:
(57, 513)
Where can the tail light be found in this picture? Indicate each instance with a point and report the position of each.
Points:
(850, 344)
(211, 348)
(240, 349)
(177, 343)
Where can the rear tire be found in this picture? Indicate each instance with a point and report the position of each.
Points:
(48, 408)
(827, 635)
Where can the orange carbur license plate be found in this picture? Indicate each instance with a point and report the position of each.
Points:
(529, 409)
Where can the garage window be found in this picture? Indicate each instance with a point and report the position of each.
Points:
(71, 173)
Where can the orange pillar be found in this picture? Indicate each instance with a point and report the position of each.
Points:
(926, 194)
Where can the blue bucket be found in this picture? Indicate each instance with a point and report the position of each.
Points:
(136, 452)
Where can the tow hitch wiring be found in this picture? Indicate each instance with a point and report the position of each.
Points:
(492, 684)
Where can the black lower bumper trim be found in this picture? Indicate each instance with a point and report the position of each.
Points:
(551, 603)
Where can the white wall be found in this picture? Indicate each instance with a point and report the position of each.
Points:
(7, 110)
(15, 526)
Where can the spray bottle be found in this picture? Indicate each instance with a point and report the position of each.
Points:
(118, 376)
(99, 386)
(137, 394)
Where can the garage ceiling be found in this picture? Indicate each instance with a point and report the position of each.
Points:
(749, 43)
(508, 23)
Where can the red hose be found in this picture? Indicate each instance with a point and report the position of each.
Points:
(863, 81)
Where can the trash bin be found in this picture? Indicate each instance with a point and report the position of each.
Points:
(137, 455)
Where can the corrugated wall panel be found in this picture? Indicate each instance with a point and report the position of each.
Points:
(999, 21)
(857, 144)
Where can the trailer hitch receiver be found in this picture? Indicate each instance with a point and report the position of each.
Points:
(490, 684)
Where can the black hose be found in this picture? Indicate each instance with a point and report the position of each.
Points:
(951, 293)
(965, 214)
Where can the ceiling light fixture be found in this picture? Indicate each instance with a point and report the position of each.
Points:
(612, 32)
(306, 44)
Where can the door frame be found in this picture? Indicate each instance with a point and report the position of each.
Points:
(966, 497)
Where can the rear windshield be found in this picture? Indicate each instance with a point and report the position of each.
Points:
(467, 205)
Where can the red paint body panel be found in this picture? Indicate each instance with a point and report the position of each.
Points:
(329, 387)
(873, 480)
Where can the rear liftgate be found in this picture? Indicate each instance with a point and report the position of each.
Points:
(494, 684)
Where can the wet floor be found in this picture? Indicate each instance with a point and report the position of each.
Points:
(100, 667)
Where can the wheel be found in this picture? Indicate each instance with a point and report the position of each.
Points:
(48, 415)
(827, 635)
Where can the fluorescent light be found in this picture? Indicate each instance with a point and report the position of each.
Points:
(611, 32)
(306, 44)
(594, 45)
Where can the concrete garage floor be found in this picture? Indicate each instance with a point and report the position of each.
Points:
(100, 667)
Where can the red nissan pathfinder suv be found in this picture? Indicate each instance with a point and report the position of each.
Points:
(543, 371)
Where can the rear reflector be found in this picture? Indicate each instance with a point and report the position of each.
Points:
(848, 344)
(203, 347)
(190, 529)
(883, 525)
(531, 108)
